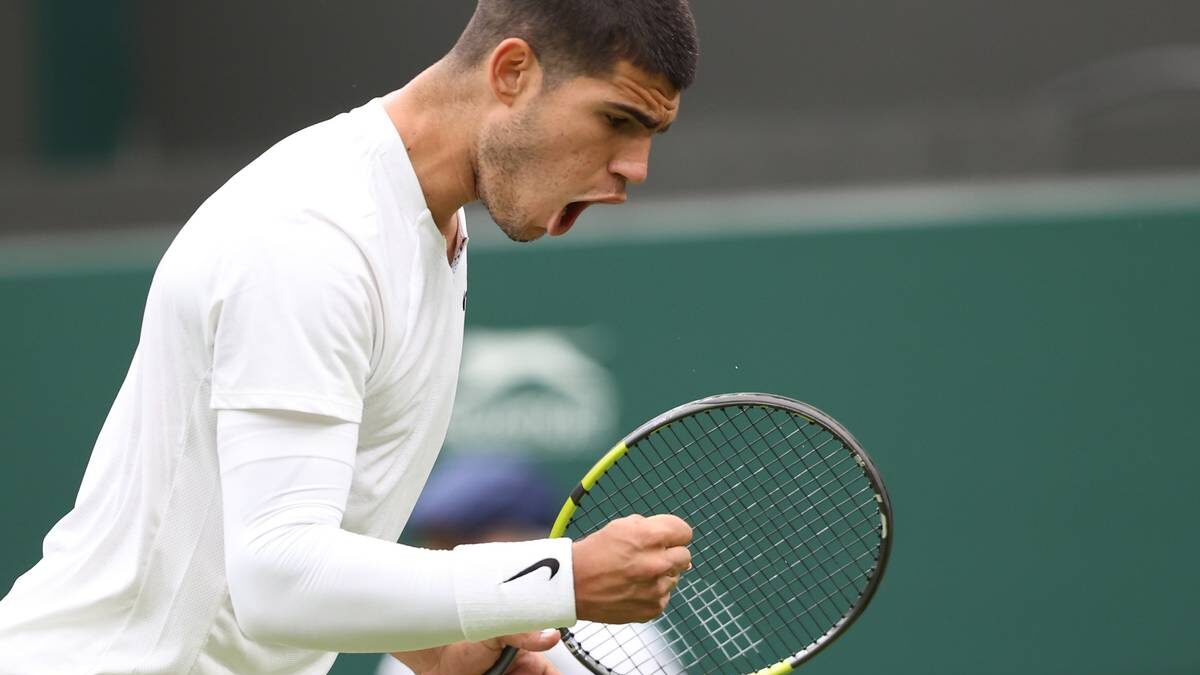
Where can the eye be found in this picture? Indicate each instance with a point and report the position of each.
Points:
(617, 122)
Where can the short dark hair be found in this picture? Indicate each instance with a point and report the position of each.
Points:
(589, 37)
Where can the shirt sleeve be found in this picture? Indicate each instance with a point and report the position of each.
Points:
(294, 323)
(296, 578)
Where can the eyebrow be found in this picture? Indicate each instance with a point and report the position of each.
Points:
(649, 121)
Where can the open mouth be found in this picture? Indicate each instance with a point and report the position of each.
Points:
(567, 217)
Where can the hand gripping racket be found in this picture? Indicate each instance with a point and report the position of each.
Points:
(792, 530)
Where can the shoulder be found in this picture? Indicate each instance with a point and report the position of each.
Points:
(302, 259)
(322, 168)
(302, 252)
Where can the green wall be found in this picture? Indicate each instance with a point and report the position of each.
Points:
(1026, 385)
(85, 78)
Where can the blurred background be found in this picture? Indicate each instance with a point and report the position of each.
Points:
(967, 229)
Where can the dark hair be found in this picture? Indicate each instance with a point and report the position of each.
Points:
(589, 37)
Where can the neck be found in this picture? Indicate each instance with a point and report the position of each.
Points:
(436, 122)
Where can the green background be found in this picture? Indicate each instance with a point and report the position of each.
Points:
(1025, 383)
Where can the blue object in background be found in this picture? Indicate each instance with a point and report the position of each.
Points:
(471, 494)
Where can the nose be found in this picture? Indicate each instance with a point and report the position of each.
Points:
(633, 163)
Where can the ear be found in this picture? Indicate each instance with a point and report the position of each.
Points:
(513, 70)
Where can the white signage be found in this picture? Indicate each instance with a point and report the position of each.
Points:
(533, 390)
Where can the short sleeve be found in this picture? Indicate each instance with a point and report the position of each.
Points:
(294, 323)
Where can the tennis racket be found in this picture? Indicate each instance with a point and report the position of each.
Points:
(792, 529)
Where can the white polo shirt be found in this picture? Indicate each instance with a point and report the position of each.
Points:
(314, 281)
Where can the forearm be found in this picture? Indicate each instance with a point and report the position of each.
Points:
(296, 578)
(321, 587)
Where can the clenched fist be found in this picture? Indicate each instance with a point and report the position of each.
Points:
(625, 572)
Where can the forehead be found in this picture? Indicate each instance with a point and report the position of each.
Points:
(631, 85)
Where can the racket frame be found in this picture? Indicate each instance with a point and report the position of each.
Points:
(593, 476)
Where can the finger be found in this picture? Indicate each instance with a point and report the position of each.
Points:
(533, 664)
(537, 641)
(670, 530)
(680, 559)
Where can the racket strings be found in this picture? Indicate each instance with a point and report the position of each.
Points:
(781, 523)
(803, 488)
(655, 488)
(715, 624)
(841, 483)
(820, 585)
(724, 625)
(773, 536)
(843, 517)
(730, 508)
(781, 470)
(652, 491)
(748, 535)
(683, 633)
(787, 539)
(780, 541)
(813, 506)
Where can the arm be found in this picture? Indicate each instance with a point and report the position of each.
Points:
(296, 578)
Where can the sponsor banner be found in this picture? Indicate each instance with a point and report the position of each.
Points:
(537, 390)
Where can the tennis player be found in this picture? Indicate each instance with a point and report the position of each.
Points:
(296, 370)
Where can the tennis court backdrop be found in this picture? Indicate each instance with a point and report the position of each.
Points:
(1021, 360)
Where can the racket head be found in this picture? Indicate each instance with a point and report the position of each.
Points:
(777, 491)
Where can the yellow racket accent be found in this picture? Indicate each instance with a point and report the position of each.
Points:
(589, 481)
(564, 517)
(605, 463)
(777, 669)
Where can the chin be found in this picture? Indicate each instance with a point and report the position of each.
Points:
(522, 233)
(515, 228)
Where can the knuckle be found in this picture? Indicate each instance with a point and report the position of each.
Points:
(648, 569)
(645, 538)
(662, 603)
(661, 566)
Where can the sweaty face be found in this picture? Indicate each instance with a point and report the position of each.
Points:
(580, 143)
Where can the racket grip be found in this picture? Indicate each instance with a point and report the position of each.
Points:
(502, 663)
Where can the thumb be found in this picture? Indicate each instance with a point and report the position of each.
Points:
(536, 641)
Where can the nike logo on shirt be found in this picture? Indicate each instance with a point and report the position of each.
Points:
(549, 563)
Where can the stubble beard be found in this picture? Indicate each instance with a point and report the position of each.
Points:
(503, 155)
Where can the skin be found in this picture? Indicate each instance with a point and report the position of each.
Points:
(536, 155)
(477, 657)
(496, 133)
